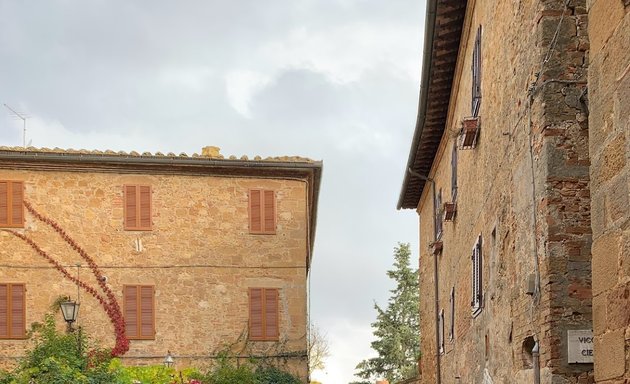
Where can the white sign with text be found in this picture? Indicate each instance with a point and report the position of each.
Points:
(580, 344)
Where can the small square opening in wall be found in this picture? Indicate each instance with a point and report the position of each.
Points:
(527, 352)
(469, 132)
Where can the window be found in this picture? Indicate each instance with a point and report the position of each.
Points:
(438, 215)
(451, 332)
(137, 207)
(477, 263)
(11, 204)
(454, 173)
(139, 311)
(12, 311)
(476, 74)
(262, 211)
(263, 314)
(441, 331)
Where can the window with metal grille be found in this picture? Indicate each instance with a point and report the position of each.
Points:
(441, 331)
(438, 215)
(476, 74)
(451, 332)
(476, 278)
(12, 311)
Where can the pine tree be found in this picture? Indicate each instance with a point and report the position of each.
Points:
(397, 327)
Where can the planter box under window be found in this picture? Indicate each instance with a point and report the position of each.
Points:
(469, 133)
(450, 209)
(436, 247)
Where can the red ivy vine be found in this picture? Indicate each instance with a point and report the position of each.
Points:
(110, 305)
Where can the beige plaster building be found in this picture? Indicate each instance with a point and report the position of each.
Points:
(609, 121)
(498, 172)
(203, 254)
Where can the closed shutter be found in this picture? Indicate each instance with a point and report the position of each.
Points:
(263, 314)
(18, 325)
(137, 207)
(147, 329)
(477, 263)
(271, 314)
(256, 331)
(130, 293)
(270, 212)
(11, 203)
(139, 311)
(131, 204)
(255, 211)
(4, 311)
(262, 211)
(12, 311)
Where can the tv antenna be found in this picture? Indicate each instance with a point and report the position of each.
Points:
(22, 117)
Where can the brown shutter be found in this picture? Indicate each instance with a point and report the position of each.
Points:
(147, 329)
(130, 294)
(269, 212)
(271, 314)
(256, 331)
(17, 203)
(4, 203)
(18, 326)
(130, 207)
(255, 214)
(4, 311)
(145, 207)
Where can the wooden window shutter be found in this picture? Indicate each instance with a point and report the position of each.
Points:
(476, 74)
(262, 211)
(4, 311)
(454, 173)
(17, 316)
(137, 207)
(147, 326)
(271, 314)
(130, 294)
(11, 203)
(12, 311)
(255, 211)
(269, 212)
(139, 311)
(477, 263)
(256, 331)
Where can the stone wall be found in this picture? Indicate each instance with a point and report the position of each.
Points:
(200, 257)
(529, 203)
(609, 95)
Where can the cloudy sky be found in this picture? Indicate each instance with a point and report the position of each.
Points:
(333, 80)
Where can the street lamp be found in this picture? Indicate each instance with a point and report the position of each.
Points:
(168, 360)
(70, 311)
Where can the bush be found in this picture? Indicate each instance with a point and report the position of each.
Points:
(59, 358)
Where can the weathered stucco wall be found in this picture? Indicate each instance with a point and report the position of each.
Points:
(609, 121)
(531, 206)
(200, 257)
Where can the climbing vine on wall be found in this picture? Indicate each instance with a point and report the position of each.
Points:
(108, 301)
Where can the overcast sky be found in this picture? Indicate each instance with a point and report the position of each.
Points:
(333, 80)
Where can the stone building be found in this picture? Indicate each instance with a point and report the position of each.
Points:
(203, 254)
(498, 172)
(609, 142)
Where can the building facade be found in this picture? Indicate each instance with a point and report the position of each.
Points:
(201, 254)
(498, 172)
(609, 142)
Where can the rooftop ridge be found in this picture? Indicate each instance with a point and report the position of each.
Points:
(182, 155)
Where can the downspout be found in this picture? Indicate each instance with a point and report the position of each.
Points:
(536, 361)
(438, 369)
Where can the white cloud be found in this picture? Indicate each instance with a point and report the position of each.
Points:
(241, 86)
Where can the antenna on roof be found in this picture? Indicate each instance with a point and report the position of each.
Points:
(22, 117)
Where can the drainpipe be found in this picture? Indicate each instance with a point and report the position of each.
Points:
(535, 354)
(438, 370)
